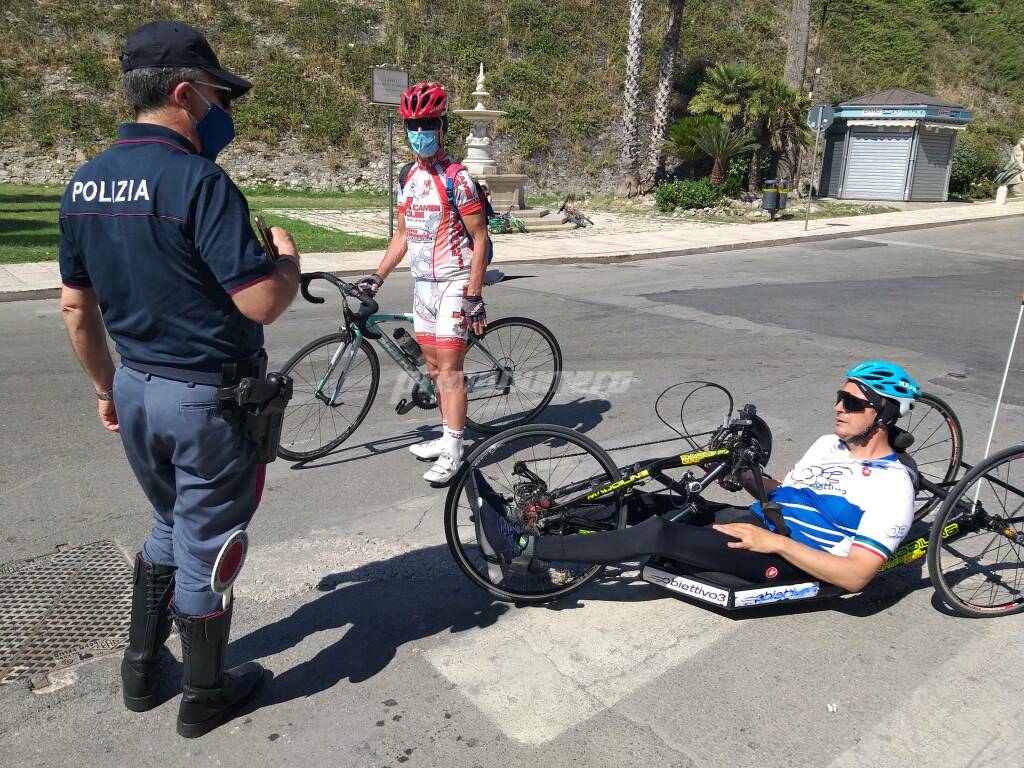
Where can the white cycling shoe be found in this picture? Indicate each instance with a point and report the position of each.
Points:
(428, 450)
(444, 469)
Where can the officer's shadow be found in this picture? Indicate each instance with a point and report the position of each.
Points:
(388, 603)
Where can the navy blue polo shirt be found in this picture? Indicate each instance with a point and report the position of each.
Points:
(163, 237)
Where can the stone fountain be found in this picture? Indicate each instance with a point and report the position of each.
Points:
(507, 189)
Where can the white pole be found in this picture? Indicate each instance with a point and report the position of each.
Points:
(1006, 372)
(810, 181)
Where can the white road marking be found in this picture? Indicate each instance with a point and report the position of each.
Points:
(537, 672)
(968, 707)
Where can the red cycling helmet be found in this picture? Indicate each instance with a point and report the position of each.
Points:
(424, 100)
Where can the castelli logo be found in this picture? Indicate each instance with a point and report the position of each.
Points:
(771, 573)
(866, 471)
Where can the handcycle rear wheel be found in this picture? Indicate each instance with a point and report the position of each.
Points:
(313, 427)
(556, 457)
(528, 352)
(976, 547)
(938, 446)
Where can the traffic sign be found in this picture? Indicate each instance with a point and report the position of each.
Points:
(821, 116)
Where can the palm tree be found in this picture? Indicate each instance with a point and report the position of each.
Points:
(629, 177)
(663, 94)
(682, 138)
(721, 145)
(777, 114)
(726, 92)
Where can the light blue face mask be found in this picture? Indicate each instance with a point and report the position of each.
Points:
(424, 143)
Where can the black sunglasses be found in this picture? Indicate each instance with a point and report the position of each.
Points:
(224, 93)
(852, 403)
(423, 124)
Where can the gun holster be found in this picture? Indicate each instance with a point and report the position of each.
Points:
(256, 403)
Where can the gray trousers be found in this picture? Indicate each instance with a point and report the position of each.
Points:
(198, 472)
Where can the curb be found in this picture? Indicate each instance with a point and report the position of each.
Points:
(615, 258)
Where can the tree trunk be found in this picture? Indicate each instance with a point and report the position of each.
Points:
(718, 172)
(629, 156)
(654, 167)
(797, 38)
(754, 181)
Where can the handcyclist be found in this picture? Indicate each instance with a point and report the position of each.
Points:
(847, 503)
(447, 246)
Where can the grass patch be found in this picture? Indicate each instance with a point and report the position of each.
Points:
(28, 223)
(313, 239)
(271, 197)
(29, 230)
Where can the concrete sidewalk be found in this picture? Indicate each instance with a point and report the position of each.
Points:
(42, 279)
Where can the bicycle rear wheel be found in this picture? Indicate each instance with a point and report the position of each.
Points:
(976, 548)
(518, 365)
(318, 419)
(527, 474)
(938, 446)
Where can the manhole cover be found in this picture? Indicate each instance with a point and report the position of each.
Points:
(59, 609)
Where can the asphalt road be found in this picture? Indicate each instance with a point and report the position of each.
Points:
(384, 655)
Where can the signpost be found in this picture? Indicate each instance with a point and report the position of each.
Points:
(818, 120)
(386, 87)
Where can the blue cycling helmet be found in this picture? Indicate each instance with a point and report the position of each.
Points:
(888, 380)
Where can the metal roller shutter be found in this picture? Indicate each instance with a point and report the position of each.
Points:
(832, 165)
(931, 166)
(877, 164)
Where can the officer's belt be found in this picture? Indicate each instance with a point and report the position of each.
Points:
(236, 370)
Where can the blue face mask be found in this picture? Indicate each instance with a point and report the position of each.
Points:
(215, 129)
(424, 143)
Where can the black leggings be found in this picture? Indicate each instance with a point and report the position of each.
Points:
(702, 547)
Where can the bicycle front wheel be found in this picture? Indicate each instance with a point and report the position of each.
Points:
(538, 477)
(324, 409)
(512, 372)
(938, 446)
(976, 548)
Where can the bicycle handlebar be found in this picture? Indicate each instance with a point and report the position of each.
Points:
(369, 304)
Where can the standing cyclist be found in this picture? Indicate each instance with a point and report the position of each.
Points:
(441, 224)
(156, 246)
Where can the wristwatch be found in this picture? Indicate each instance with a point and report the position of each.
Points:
(108, 395)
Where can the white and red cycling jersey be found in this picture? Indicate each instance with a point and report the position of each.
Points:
(439, 246)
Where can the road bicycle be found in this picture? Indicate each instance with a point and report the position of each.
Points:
(511, 372)
(555, 481)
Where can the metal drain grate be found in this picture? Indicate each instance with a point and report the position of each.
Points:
(59, 609)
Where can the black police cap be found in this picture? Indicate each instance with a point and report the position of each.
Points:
(176, 44)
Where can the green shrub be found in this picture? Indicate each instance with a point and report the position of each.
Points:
(687, 194)
(10, 103)
(973, 165)
(57, 116)
(90, 67)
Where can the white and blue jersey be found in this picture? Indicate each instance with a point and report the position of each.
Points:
(833, 502)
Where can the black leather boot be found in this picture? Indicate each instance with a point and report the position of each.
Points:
(209, 693)
(149, 629)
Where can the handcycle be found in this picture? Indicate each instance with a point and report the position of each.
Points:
(511, 372)
(555, 481)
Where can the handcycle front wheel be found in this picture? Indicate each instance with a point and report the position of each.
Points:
(519, 365)
(938, 446)
(321, 415)
(976, 546)
(519, 473)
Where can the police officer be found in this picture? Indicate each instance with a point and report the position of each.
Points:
(156, 245)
